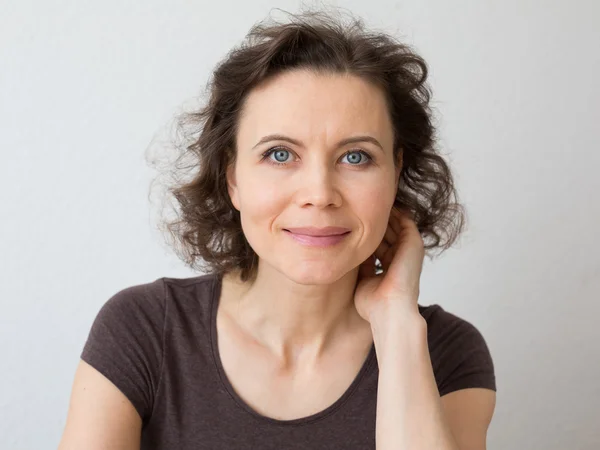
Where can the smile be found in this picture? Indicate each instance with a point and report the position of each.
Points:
(317, 241)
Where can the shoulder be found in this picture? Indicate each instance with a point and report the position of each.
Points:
(148, 296)
(135, 309)
(443, 325)
(149, 301)
(459, 353)
(126, 342)
(204, 283)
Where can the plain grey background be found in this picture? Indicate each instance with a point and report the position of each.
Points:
(85, 87)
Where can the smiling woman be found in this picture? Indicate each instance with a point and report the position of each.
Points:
(315, 192)
(315, 87)
(324, 174)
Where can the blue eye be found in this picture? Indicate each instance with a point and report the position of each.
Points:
(357, 154)
(280, 152)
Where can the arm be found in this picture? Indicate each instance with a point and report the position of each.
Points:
(100, 417)
(469, 413)
(410, 413)
(114, 387)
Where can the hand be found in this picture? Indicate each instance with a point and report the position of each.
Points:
(401, 253)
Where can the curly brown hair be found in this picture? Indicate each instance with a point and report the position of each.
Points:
(206, 231)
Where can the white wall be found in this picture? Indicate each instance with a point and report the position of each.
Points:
(84, 86)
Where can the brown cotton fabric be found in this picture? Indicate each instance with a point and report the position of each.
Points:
(157, 343)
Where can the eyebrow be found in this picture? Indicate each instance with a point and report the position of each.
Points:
(350, 140)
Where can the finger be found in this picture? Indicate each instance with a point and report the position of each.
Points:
(382, 249)
(390, 235)
(396, 221)
(403, 212)
(402, 222)
(387, 258)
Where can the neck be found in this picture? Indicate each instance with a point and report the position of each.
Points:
(291, 318)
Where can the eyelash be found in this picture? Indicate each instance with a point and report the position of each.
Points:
(274, 149)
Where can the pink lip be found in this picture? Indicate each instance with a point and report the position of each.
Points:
(314, 231)
(317, 241)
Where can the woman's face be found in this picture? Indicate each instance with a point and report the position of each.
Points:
(314, 181)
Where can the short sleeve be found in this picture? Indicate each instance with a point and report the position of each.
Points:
(125, 343)
(460, 356)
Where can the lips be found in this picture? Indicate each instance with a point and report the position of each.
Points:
(318, 232)
(317, 241)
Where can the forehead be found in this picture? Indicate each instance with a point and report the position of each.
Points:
(307, 104)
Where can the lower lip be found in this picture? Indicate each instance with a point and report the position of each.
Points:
(317, 241)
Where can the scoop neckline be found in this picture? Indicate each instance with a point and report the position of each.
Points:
(365, 368)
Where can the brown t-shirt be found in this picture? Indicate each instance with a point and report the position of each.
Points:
(157, 343)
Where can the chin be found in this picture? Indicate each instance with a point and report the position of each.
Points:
(313, 273)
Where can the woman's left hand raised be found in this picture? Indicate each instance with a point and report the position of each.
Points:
(396, 290)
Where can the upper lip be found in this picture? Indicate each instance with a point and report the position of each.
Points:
(314, 231)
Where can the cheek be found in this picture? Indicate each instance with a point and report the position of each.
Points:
(376, 198)
(373, 208)
(261, 203)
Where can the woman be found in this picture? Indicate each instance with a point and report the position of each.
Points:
(316, 180)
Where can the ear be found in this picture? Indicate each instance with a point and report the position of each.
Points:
(232, 188)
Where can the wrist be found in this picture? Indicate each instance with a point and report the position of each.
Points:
(395, 313)
(394, 332)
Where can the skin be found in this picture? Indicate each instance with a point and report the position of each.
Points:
(296, 325)
(301, 328)
(306, 300)
(303, 296)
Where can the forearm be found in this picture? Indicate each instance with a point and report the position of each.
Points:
(409, 410)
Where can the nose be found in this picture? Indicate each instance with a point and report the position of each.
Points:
(317, 186)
